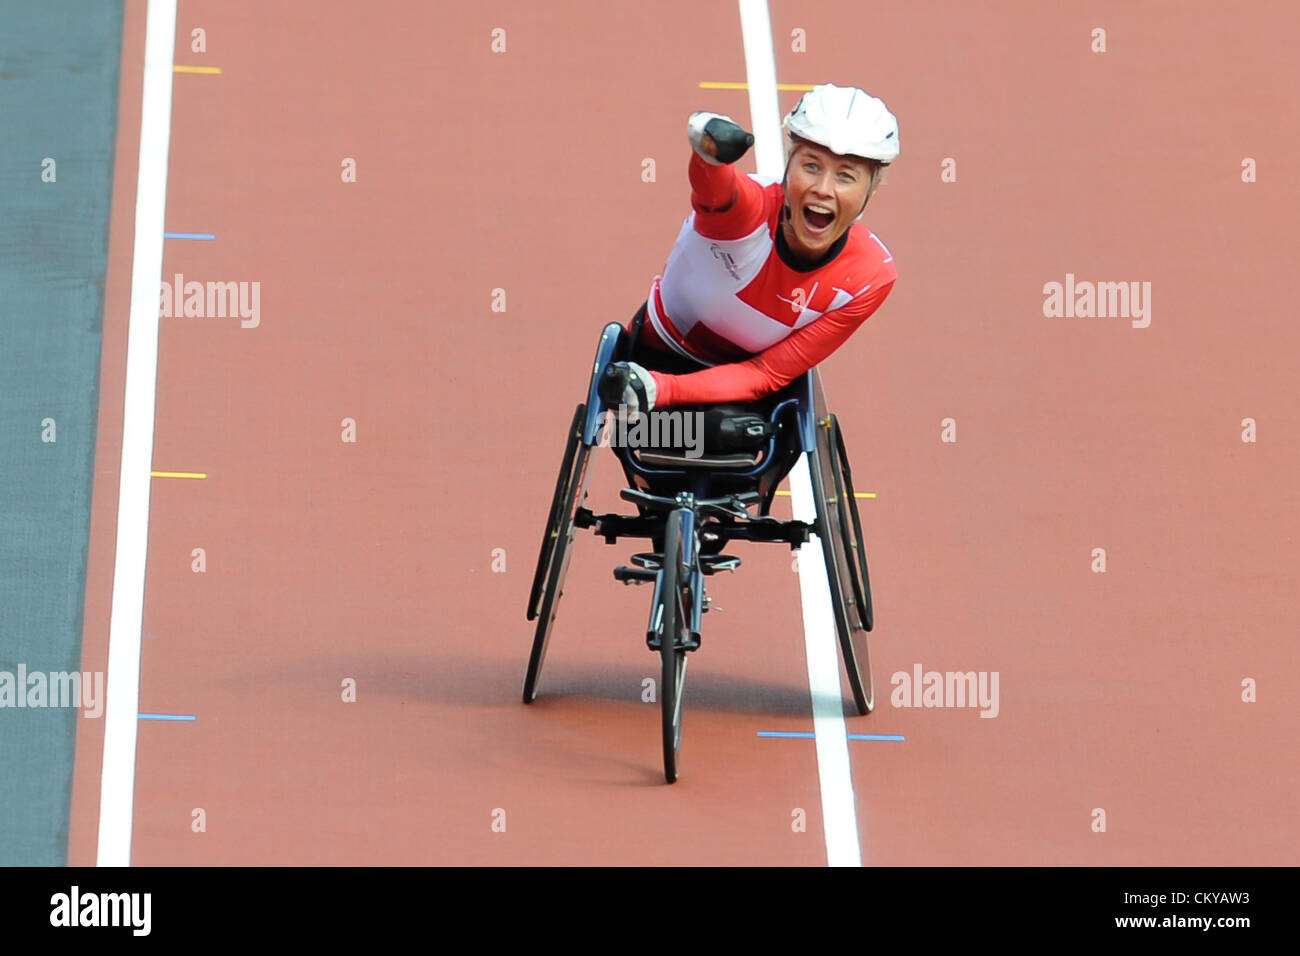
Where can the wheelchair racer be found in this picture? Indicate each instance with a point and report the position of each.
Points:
(765, 279)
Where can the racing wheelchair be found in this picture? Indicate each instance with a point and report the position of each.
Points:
(689, 508)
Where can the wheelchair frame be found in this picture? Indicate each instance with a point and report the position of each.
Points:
(692, 512)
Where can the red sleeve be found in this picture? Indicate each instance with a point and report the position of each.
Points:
(772, 368)
(727, 203)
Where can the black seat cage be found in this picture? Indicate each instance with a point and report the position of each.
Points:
(791, 414)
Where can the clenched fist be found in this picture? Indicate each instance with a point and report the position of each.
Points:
(629, 385)
(717, 139)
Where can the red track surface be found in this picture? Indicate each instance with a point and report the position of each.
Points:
(522, 171)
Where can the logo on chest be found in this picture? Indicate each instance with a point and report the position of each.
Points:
(725, 258)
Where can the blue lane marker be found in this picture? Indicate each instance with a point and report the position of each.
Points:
(810, 736)
(167, 717)
(189, 235)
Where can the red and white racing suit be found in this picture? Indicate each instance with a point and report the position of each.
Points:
(732, 297)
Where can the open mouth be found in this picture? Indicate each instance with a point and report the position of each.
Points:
(817, 218)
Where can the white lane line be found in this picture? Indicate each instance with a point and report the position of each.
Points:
(839, 812)
(760, 74)
(117, 779)
(821, 642)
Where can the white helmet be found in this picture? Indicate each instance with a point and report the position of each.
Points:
(846, 121)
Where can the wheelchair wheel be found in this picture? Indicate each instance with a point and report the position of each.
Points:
(669, 619)
(553, 560)
(845, 563)
(855, 547)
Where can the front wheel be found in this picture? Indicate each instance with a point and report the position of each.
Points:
(670, 622)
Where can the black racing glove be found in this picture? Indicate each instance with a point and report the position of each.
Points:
(627, 384)
(717, 139)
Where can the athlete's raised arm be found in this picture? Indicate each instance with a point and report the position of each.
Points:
(727, 203)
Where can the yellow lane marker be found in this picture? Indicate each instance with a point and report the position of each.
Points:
(705, 85)
(178, 68)
(177, 474)
(856, 494)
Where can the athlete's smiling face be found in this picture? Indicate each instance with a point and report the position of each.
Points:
(826, 192)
